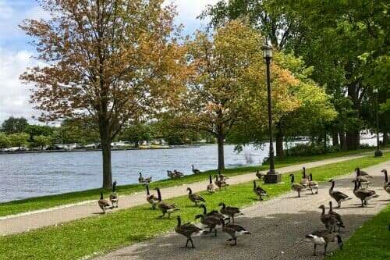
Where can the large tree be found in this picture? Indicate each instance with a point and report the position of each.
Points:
(109, 60)
(14, 125)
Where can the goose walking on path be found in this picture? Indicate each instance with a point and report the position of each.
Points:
(260, 192)
(231, 212)
(165, 207)
(361, 173)
(103, 204)
(213, 213)
(386, 185)
(324, 237)
(114, 198)
(363, 194)
(194, 197)
(188, 230)
(313, 185)
(211, 222)
(304, 180)
(296, 186)
(234, 231)
(338, 196)
(329, 220)
(337, 216)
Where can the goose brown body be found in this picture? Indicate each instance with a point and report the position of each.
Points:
(328, 220)
(195, 171)
(386, 185)
(211, 186)
(260, 192)
(165, 208)
(234, 231)
(187, 230)
(103, 204)
(337, 216)
(150, 198)
(231, 212)
(363, 194)
(194, 197)
(296, 186)
(114, 197)
(313, 185)
(210, 222)
(338, 196)
(324, 237)
(211, 213)
(304, 180)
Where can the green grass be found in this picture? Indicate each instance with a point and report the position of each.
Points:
(371, 241)
(98, 235)
(20, 206)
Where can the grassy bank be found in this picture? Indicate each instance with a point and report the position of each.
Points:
(371, 241)
(98, 235)
(45, 202)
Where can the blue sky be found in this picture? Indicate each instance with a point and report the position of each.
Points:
(16, 53)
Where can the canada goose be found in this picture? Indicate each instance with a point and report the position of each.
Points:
(103, 204)
(229, 211)
(361, 173)
(304, 180)
(296, 186)
(313, 184)
(170, 174)
(386, 185)
(329, 220)
(178, 174)
(187, 230)
(165, 207)
(324, 237)
(194, 197)
(339, 223)
(219, 183)
(260, 192)
(259, 175)
(234, 231)
(211, 187)
(363, 179)
(195, 171)
(211, 213)
(338, 196)
(143, 180)
(222, 177)
(114, 198)
(210, 222)
(151, 198)
(363, 194)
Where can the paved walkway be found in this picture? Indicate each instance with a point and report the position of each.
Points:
(33, 220)
(278, 228)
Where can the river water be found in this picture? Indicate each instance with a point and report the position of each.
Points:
(38, 174)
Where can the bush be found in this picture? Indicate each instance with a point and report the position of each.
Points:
(311, 149)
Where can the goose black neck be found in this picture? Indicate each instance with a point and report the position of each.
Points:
(254, 184)
(356, 186)
(147, 190)
(323, 210)
(114, 187)
(304, 172)
(178, 221)
(386, 177)
(158, 194)
(223, 222)
(292, 178)
(331, 188)
(211, 179)
(189, 191)
(223, 205)
(101, 195)
(330, 206)
(204, 209)
(310, 177)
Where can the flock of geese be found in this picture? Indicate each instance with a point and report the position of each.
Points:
(225, 217)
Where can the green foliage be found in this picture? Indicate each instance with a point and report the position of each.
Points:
(4, 141)
(37, 130)
(137, 133)
(41, 141)
(14, 125)
(19, 140)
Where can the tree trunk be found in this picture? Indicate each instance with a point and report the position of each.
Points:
(279, 145)
(221, 156)
(106, 151)
(353, 140)
(343, 141)
(335, 138)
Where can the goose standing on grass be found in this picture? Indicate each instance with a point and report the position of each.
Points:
(338, 196)
(324, 237)
(211, 187)
(313, 184)
(260, 192)
(114, 198)
(329, 220)
(194, 197)
(337, 216)
(188, 230)
(231, 212)
(304, 180)
(221, 176)
(143, 180)
(219, 183)
(296, 186)
(213, 213)
(363, 194)
(386, 185)
(234, 231)
(211, 222)
(103, 204)
(195, 171)
(178, 174)
(151, 198)
(165, 207)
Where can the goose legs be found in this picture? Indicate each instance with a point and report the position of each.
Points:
(192, 242)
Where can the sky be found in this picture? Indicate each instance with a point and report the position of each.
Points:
(16, 54)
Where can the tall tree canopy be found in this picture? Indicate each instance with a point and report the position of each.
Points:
(14, 125)
(109, 60)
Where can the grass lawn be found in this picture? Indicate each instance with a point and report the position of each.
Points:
(98, 235)
(31, 204)
(371, 241)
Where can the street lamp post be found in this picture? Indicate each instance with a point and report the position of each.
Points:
(378, 152)
(272, 176)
